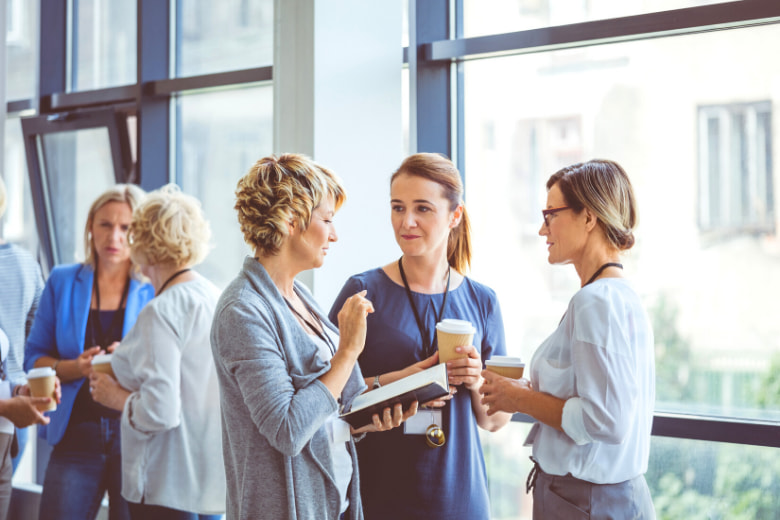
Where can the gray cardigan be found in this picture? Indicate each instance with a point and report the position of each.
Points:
(277, 455)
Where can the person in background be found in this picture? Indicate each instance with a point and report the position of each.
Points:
(285, 371)
(402, 475)
(166, 385)
(592, 382)
(17, 409)
(21, 284)
(85, 309)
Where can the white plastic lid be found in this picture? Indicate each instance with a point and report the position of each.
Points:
(40, 372)
(101, 358)
(505, 361)
(454, 326)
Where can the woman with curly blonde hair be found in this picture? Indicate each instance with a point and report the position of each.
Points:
(285, 370)
(166, 385)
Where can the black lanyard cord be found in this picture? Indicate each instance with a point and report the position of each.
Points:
(119, 314)
(427, 348)
(601, 269)
(596, 275)
(170, 279)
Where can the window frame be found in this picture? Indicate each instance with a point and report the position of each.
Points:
(456, 50)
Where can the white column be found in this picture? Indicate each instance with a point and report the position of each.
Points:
(337, 98)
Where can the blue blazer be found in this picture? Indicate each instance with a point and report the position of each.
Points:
(60, 329)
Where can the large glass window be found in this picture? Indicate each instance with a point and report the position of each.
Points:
(18, 223)
(687, 479)
(21, 44)
(483, 17)
(222, 36)
(689, 117)
(221, 134)
(104, 44)
(78, 169)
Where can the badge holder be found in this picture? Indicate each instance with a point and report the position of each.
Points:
(426, 424)
(434, 435)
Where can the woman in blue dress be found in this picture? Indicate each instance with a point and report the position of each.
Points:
(404, 474)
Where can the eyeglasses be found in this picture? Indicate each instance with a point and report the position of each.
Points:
(552, 211)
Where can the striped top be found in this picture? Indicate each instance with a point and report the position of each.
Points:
(21, 284)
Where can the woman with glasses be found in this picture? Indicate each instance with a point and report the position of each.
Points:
(434, 467)
(592, 382)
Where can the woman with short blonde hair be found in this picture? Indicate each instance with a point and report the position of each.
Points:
(166, 385)
(285, 371)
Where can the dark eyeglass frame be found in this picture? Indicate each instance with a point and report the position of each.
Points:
(552, 211)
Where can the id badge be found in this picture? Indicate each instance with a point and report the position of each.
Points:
(418, 424)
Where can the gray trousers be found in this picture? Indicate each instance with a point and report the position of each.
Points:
(569, 498)
(6, 473)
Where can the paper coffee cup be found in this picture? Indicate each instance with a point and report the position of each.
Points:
(102, 364)
(506, 366)
(451, 333)
(42, 382)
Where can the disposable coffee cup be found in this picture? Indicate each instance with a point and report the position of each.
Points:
(506, 366)
(451, 333)
(42, 384)
(102, 364)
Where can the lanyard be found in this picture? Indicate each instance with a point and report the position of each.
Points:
(427, 349)
(601, 269)
(170, 279)
(596, 275)
(119, 314)
(320, 332)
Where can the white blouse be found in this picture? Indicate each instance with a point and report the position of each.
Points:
(171, 424)
(601, 360)
(338, 430)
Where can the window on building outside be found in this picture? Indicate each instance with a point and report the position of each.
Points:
(735, 169)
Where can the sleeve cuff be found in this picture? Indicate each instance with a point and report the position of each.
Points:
(572, 421)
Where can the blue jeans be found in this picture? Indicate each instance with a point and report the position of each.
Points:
(83, 466)
(149, 512)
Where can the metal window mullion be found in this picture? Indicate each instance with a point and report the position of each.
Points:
(688, 20)
(154, 121)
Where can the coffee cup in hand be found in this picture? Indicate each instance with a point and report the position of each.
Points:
(451, 333)
(42, 383)
(102, 363)
(506, 366)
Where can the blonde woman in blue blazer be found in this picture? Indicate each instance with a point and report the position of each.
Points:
(85, 309)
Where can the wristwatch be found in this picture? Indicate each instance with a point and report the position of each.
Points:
(376, 383)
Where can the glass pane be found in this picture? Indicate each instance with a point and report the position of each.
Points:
(222, 36)
(18, 223)
(21, 40)
(507, 462)
(710, 285)
(104, 44)
(701, 480)
(482, 17)
(688, 479)
(78, 168)
(221, 135)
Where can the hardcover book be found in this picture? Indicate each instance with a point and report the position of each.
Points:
(422, 387)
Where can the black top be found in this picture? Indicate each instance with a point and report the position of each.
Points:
(85, 408)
